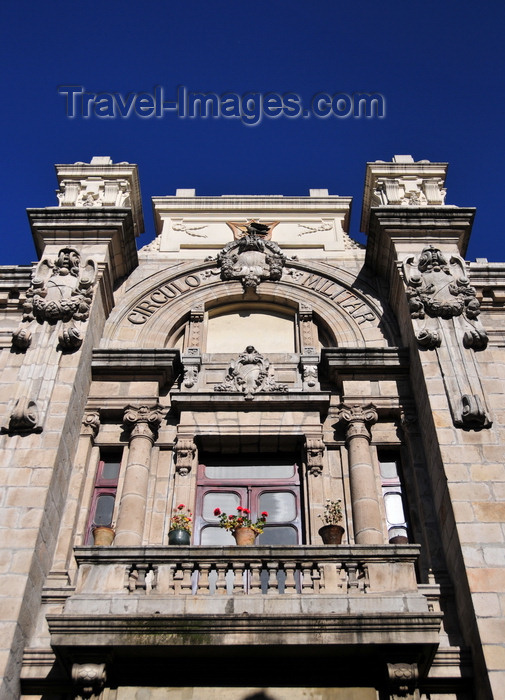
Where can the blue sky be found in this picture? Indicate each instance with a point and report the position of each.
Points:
(438, 64)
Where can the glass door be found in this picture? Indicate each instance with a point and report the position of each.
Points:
(267, 486)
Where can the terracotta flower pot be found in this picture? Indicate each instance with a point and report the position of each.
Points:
(179, 536)
(244, 536)
(103, 536)
(332, 534)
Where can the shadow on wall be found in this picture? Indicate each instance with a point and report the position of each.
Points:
(259, 696)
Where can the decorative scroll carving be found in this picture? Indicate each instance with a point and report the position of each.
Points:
(473, 414)
(403, 679)
(409, 191)
(190, 230)
(89, 679)
(439, 288)
(94, 192)
(250, 374)
(323, 226)
(251, 258)
(190, 375)
(445, 310)
(91, 423)
(143, 420)
(309, 375)
(61, 290)
(25, 418)
(184, 450)
(358, 418)
(314, 447)
(309, 368)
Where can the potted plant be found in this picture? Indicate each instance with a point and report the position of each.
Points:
(241, 526)
(180, 526)
(332, 532)
(103, 535)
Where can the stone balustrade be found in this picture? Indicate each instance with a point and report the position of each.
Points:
(265, 570)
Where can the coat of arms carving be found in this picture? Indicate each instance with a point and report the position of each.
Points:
(252, 258)
(250, 374)
(438, 287)
(61, 290)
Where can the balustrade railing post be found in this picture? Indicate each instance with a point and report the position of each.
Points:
(239, 584)
(221, 578)
(187, 583)
(290, 582)
(273, 583)
(255, 583)
(203, 587)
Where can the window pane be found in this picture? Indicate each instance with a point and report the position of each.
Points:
(104, 509)
(389, 470)
(278, 535)
(227, 501)
(249, 471)
(111, 469)
(217, 536)
(394, 508)
(280, 506)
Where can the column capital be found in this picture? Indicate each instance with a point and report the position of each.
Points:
(358, 418)
(143, 420)
(91, 423)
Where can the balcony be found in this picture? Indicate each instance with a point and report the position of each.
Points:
(147, 602)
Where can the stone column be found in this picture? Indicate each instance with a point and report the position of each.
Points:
(143, 422)
(364, 497)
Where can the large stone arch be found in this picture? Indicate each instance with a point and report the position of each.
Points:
(148, 312)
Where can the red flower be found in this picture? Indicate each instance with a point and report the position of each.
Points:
(180, 506)
(246, 510)
(264, 514)
(217, 511)
(230, 517)
(239, 508)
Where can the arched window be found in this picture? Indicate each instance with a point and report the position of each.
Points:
(270, 328)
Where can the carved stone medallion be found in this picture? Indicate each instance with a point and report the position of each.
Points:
(251, 259)
(250, 374)
(438, 287)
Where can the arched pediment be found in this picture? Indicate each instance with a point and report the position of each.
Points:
(149, 313)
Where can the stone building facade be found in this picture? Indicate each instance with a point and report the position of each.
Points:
(254, 356)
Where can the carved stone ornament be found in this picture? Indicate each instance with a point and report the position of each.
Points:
(91, 423)
(410, 190)
(358, 418)
(437, 287)
(251, 259)
(61, 290)
(89, 679)
(94, 192)
(250, 374)
(315, 450)
(473, 414)
(24, 418)
(403, 679)
(184, 450)
(143, 420)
